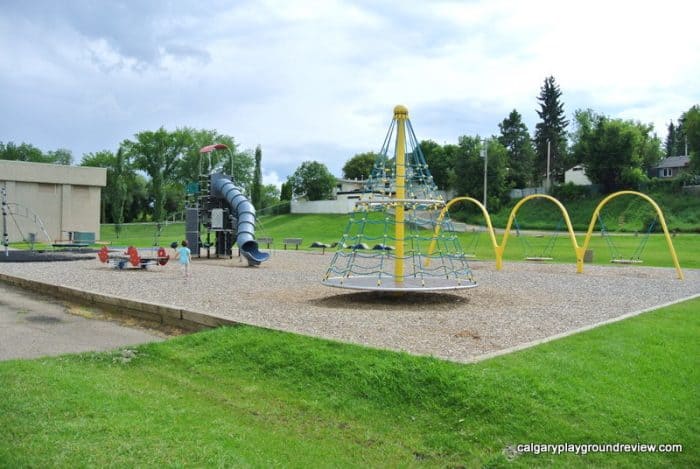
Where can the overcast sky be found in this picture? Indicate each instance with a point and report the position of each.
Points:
(318, 80)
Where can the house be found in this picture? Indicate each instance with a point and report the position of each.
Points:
(56, 199)
(348, 186)
(670, 167)
(577, 176)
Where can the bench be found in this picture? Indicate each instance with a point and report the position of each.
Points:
(266, 241)
(291, 242)
(83, 237)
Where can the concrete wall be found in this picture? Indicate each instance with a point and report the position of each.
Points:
(342, 205)
(65, 198)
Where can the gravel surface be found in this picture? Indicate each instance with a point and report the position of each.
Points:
(522, 303)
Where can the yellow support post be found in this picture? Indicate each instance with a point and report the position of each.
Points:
(400, 115)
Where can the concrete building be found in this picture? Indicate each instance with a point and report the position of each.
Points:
(64, 199)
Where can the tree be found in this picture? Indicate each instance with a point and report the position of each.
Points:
(238, 165)
(616, 153)
(256, 193)
(521, 155)
(313, 180)
(270, 196)
(440, 163)
(359, 166)
(61, 156)
(286, 190)
(671, 137)
(120, 183)
(469, 171)
(552, 129)
(691, 121)
(158, 154)
(30, 153)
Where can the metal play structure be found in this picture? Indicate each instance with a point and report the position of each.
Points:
(579, 250)
(218, 206)
(384, 246)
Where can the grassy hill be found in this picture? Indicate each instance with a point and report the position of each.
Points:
(250, 397)
(625, 213)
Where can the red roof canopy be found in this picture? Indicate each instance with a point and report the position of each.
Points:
(210, 148)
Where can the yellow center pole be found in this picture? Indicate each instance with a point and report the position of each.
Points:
(400, 115)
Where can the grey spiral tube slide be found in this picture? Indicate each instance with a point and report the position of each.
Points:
(243, 210)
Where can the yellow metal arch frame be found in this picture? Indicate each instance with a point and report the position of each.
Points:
(659, 214)
(578, 251)
(499, 249)
(443, 212)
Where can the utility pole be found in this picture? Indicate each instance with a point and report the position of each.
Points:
(5, 236)
(485, 155)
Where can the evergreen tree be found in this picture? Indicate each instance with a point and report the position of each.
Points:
(670, 140)
(552, 129)
(521, 154)
(257, 190)
(691, 120)
(286, 190)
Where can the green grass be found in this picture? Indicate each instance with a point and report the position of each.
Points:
(252, 397)
(330, 228)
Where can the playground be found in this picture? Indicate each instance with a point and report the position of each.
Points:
(401, 276)
(519, 305)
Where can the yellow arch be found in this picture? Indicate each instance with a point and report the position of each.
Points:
(499, 249)
(579, 250)
(659, 213)
(438, 224)
(504, 241)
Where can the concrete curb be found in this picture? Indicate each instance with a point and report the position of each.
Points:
(154, 312)
(534, 343)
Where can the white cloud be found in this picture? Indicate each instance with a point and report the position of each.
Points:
(271, 177)
(319, 79)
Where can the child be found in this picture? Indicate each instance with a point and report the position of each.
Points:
(184, 255)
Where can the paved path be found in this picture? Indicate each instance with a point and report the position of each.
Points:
(33, 326)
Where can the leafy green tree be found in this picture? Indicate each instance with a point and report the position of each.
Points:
(440, 163)
(616, 153)
(115, 192)
(313, 180)
(237, 164)
(552, 129)
(359, 166)
(256, 193)
(158, 154)
(521, 154)
(270, 196)
(30, 153)
(137, 199)
(469, 171)
(61, 156)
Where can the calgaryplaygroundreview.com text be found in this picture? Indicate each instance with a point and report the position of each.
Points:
(586, 448)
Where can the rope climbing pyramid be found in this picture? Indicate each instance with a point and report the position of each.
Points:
(386, 242)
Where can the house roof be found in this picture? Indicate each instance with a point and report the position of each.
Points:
(674, 162)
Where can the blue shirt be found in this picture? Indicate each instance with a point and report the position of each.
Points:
(184, 254)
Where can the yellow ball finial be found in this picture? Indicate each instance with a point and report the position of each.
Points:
(400, 111)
